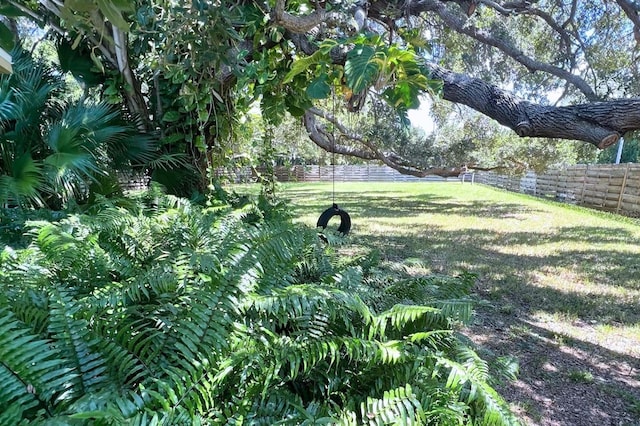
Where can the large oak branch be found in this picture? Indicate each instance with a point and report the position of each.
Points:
(460, 25)
(599, 123)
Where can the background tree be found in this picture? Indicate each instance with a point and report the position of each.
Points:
(630, 152)
(546, 69)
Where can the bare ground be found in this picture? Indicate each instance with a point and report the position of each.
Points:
(562, 381)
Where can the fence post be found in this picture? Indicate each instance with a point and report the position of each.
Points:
(622, 188)
(584, 184)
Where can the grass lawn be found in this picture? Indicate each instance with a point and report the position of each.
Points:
(558, 286)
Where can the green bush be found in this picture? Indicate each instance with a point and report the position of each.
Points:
(52, 150)
(166, 312)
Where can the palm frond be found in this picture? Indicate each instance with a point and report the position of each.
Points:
(168, 161)
(23, 184)
(9, 109)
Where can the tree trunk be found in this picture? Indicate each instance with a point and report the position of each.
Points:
(133, 95)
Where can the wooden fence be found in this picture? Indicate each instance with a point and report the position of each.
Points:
(130, 181)
(343, 173)
(610, 187)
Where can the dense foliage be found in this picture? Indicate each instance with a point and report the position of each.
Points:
(54, 149)
(189, 71)
(162, 311)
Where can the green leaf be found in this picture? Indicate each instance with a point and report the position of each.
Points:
(273, 108)
(297, 102)
(124, 5)
(10, 11)
(80, 5)
(78, 61)
(319, 88)
(295, 111)
(7, 40)
(361, 68)
(113, 13)
(173, 138)
(171, 116)
(303, 64)
(96, 60)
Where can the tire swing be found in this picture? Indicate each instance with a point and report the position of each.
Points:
(334, 210)
(345, 219)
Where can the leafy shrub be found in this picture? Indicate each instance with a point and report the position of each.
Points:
(166, 312)
(52, 150)
(13, 220)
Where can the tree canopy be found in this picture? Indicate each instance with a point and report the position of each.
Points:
(186, 72)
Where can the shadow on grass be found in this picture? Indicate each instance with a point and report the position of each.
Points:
(590, 256)
(510, 275)
(562, 380)
(582, 273)
(383, 203)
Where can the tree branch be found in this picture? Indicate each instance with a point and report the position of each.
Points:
(631, 10)
(304, 23)
(525, 8)
(460, 25)
(328, 141)
(135, 100)
(598, 123)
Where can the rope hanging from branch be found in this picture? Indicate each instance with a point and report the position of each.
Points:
(334, 210)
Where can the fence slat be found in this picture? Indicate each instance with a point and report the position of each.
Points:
(610, 187)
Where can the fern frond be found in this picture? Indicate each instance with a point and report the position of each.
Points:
(407, 319)
(270, 259)
(456, 309)
(309, 311)
(127, 346)
(32, 372)
(468, 378)
(203, 330)
(13, 415)
(397, 406)
(76, 342)
(218, 316)
(31, 307)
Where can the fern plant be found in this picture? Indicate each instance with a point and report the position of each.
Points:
(160, 311)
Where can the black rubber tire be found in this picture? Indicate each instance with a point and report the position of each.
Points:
(345, 219)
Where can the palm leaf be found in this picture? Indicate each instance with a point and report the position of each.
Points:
(9, 109)
(23, 184)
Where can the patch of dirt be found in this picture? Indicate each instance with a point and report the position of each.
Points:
(562, 381)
